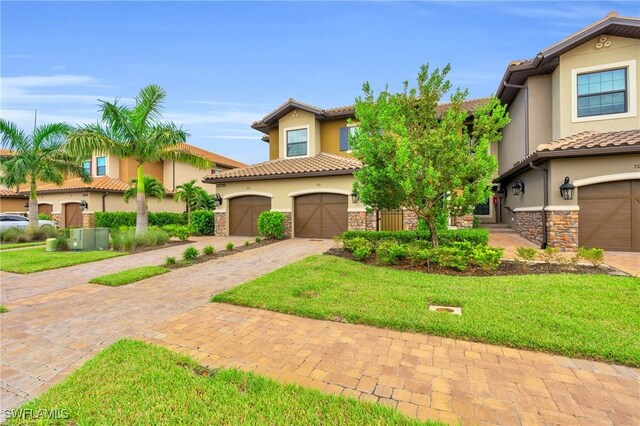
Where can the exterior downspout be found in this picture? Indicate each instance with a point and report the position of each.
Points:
(526, 113)
(104, 203)
(545, 201)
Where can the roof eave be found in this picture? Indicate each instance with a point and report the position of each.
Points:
(215, 180)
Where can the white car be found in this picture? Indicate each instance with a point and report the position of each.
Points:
(16, 221)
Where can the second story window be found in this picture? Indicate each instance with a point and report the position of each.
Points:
(101, 166)
(345, 134)
(603, 92)
(86, 165)
(296, 142)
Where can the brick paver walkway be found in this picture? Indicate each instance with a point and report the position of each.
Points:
(424, 376)
(57, 321)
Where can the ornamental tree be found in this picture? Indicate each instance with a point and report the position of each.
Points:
(422, 156)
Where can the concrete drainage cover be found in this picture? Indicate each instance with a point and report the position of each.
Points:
(454, 310)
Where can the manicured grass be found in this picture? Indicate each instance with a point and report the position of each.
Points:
(129, 276)
(132, 382)
(9, 246)
(34, 260)
(588, 316)
(3, 309)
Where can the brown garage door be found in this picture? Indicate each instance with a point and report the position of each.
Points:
(610, 215)
(45, 209)
(244, 212)
(72, 215)
(320, 215)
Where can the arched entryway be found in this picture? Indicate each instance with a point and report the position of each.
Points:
(45, 208)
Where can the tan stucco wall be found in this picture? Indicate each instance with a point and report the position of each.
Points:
(540, 111)
(511, 147)
(274, 143)
(12, 204)
(533, 195)
(129, 170)
(330, 132)
(299, 119)
(586, 55)
(183, 173)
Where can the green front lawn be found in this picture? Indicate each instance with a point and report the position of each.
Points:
(36, 259)
(589, 316)
(132, 382)
(129, 276)
(9, 246)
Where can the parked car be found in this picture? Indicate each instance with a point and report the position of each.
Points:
(16, 221)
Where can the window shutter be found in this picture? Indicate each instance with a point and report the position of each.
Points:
(344, 139)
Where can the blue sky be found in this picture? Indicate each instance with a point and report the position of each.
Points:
(225, 65)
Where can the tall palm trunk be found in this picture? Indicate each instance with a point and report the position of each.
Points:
(142, 216)
(33, 205)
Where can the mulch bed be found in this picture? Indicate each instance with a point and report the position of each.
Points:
(202, 258)
(507, 267)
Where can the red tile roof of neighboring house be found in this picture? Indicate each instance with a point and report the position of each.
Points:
(103, 183)
(11, 193)
(211, 156)
(319, 165)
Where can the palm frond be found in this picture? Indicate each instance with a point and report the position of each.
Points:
(83, 142)
(148, 107)
(118, 119)
(12, 137)
(152, 188)
(50, 134)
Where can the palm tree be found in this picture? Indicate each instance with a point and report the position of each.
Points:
(152, 188)
(188, 192)
(37, 158)
(136, 132)
(204, 201)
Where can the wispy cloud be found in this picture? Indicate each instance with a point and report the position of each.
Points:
(49, 89)
(562, 13)
(255, 137)
(214, 116)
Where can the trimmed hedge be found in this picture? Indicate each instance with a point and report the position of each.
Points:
(114, 220)
(202, 222)
(271, 224)
(477, 237)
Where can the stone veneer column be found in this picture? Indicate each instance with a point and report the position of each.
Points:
(409, 220)
(362, 221)
(529, 225)
(88, 219)
(562, 229)
(56, 217)
(465, 221)
(287, 224)
(221, 224)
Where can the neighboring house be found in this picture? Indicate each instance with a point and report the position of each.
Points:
(11, 200)
(309, 178)
(574, 114)
(111, 177)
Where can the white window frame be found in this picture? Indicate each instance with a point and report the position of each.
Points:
(284, 143)
(631, 91)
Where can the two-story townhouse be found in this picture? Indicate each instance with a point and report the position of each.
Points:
(111, 177)
(574, 122)
(309, 178)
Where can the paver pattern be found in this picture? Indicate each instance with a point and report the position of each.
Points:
(424, 376)
(46, 335)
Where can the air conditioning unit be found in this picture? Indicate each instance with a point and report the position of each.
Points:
(102, 239)
(82, 239)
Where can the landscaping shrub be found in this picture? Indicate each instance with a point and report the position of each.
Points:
(258, 239)
(362, 252)
(202, 222)
(114, 220)
(390, 252)
(246, 243)
(476, 237)
(44, 216)
(181, 232)
(593, 255)
(125, 238)
(190, 254)
(10, 235)
(170, 260)
(27, 235)
(487, 258)
(551, 254)
(271, 224)
(451, 257)
(230, 246)
(208, 250)
(62, 239)
(527, 253)
(476, 222)
(419, 253)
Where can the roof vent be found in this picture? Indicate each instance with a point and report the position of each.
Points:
(612, 14)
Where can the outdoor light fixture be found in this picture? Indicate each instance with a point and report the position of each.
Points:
(84, 205)
(518, 187)
(354, 198)
(218, 200)
(501, 193)
(26, 205)
(566, 189)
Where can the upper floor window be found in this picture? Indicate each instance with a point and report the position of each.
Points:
(296, 142)
(603, 92)
(101, 166)
(345, 134)
(86, 165)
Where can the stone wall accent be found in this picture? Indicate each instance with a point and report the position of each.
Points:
(287, 224)
(221, 224)
(562, 230)
(57, 217)
(361, 221)
(529, 225)
(465, 221)
(88, 219)
(409, 220)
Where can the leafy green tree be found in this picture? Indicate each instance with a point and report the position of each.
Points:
(152, 188)
(38, 157)
(138, 133)
(418, 157)
(190, 193)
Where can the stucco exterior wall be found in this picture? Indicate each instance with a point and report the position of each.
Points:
(331, 137)
(511, 147)
(12, 204)
(298, 119)
(533, 195)
(274, 143)
(540, 111)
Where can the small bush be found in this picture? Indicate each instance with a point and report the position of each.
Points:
(527, 253)
(63, 241)
(356, 243)
(170, 260)
(125, 239)
(362, 252)
(208, 250)
(246, 243)
(202, 222)
(181, 232)
(271, 224)
(419, 254)
(487, 258)
(190, 254)
(390, 252)
(258, 239)
(230, 246)
(551, 254)
(451, 257)
(593, 255)
(10, 235)
(476, 237)
(476, 222)
(44, 216)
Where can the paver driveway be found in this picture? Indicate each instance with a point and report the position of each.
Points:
(47, 334)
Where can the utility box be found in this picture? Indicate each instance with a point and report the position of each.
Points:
(82, 239)
(102, 239)
(51, 244)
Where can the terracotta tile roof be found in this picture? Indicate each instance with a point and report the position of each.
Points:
(11, 193)
(104, 183)
(6, 152)
(591, 139)
(211, 156)
(324, 163)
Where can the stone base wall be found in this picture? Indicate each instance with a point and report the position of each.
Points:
(57, 217)
(88, 219)
(361, 221)
(562, 230)
(220, 224)
(409, 220)
(465, 221)
(529, 226)
(287, 224)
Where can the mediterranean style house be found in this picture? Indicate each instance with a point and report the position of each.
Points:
(74, 200)
(574, 122)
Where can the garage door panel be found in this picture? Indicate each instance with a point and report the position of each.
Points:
(244, 212)
(320, 215)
